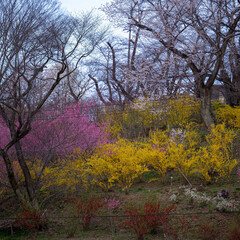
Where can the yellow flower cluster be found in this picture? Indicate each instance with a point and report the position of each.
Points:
(228, 115)
(181, 111)
(120, 163)
(216, 160)
(185, 154)
(145, 114)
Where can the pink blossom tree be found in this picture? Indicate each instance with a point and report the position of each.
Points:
(73, 127)
(57, 134)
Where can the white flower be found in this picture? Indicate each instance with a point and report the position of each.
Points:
(173, 197)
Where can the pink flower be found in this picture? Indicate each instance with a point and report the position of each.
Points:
(112, 203)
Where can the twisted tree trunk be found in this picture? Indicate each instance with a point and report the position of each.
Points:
(206, 113)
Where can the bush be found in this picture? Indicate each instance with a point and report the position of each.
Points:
(31, 218)
(117, 163)
(86, 208)
(228, 115)
(147, 219)
(216, 159)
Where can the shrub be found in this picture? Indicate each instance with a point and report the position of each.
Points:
(228, 115)
(86, 208)
(31, 218)
(208, 232)
(117, 163)
(145, 114)
(181, 111)
(234, 233)
(183, 151)
(146, 219)
(68, 172)
(216, 160)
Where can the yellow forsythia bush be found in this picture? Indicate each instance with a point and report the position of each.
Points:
(144, 114)
(68, 172)
(102, 167)
(114, 118)
(177, 150)
(181, 110)
(158, 152)
(121, 162)
(150, 112)
(183, 151)
(228, 115)
(118, 163)
(215, 159)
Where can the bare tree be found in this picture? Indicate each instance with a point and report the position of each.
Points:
(197, 31)
(72, 88)
(134, 66)
(111, 75)
(35, 35)
(78, 84)
(230, 72)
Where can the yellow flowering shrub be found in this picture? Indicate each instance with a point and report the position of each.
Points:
(114, 118)
(102, 167)
(184, 155)
(144, 114)
(149, 113)
(158, 151)
(216, 160)
(181, 110)
(133, 124)
(125, 123)
(120, 163)
(117, 163)
(182, 151)
(227, 114)
(69, 172)
(158, 159)
(159, 138)
(177, 151)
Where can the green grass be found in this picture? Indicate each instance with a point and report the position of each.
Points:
(5, 235)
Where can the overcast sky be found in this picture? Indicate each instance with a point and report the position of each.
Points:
(87, 5)
(79, 5)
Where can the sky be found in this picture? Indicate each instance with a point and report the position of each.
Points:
(79, 5)
(87, 5)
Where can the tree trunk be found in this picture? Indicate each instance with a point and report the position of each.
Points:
(27, 176)
(11, 176)
(231, 88)
(235, 99)
(206, 114)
